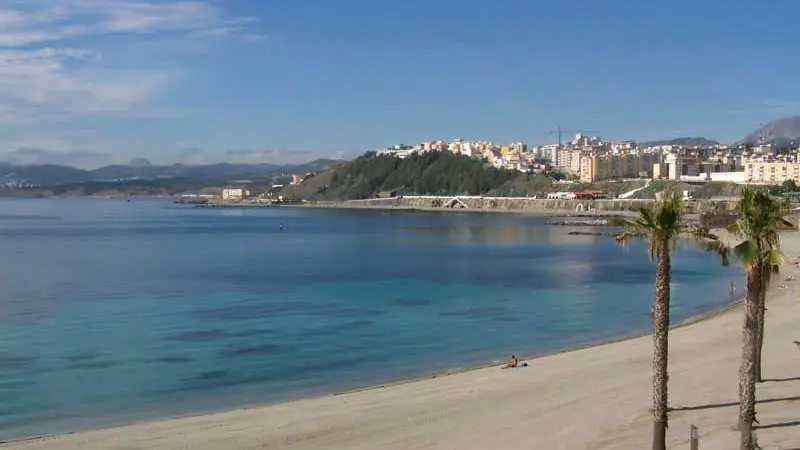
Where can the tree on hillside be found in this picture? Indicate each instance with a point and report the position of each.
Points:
(430, 173)
(660, 225)
(789, 186)
(759, 252)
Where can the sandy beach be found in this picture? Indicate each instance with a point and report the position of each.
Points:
(593, 398)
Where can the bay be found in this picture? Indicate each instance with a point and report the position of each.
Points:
(115, 311)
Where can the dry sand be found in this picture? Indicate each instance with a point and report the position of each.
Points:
(595, 398)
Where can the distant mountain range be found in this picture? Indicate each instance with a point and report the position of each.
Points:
(780, 133)
(683, 141)
(52, 175)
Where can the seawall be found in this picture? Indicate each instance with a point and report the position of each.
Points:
(526, 204)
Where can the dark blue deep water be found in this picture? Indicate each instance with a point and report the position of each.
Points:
(115, 311)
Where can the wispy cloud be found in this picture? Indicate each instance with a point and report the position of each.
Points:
(271, 155)
(64, 60)
(43, 69)
(80, 149)
(769, 107)
(48, 21)
(74, 158)
(197, 156)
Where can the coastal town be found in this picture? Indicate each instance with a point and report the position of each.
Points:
(591, 158)
(582, 168)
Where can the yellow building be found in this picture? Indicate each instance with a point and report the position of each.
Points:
(569, 160)
(595, 167)
(660, 170)
(775, 172)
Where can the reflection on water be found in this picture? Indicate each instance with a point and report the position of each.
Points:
(124, 311)
(503, 234)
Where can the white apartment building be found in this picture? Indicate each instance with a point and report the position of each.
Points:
(623, 146)
(234, 193)
(549, 151)
(678, 166)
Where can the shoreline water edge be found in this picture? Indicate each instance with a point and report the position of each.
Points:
(702, 316)
(623, 363)
(687, 321)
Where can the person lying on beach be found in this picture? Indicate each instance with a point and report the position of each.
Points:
(514, 363)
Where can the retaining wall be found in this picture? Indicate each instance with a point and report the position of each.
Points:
(529, 204)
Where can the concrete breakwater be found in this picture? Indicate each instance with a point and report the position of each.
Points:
(527, 204)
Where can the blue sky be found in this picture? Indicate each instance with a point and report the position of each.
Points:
(90, 82)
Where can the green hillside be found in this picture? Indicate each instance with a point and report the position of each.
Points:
(432, 173)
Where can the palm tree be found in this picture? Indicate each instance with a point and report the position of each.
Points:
(661, 225)
(759, 252)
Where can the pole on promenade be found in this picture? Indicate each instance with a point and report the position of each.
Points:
(694, 438)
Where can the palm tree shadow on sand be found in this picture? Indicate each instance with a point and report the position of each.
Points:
(793, 423)
(779, 380)
(731, 404)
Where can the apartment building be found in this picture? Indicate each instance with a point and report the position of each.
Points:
(549, 152)
(569, 160)
(595, 167)
(772, 172)
(693, 167)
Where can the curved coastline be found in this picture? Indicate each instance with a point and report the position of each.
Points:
(690, 320)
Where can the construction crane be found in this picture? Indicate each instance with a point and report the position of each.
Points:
(559, 131)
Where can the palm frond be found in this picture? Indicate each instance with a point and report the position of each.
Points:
(661, 223)
(623, 237)
(773, 258)
(746, 252)
(718, 248)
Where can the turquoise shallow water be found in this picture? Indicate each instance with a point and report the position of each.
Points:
(114, 311)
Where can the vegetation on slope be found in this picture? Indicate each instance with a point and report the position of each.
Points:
(537, 184)
(432, 173)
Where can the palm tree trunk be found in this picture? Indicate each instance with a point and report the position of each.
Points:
(661, 347)
(762, 311)
(747, 372)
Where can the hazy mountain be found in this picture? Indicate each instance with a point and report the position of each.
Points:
(42, 174)
(49, 174)
(139, 162)
(684, 141)
(781, 133)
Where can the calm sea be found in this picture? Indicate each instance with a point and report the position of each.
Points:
(115, 311)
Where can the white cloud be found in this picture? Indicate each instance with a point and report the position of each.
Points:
(80, 148)
(76, 158)
(769, 107)
(47, 21)
(42, 75)
(195, 156)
